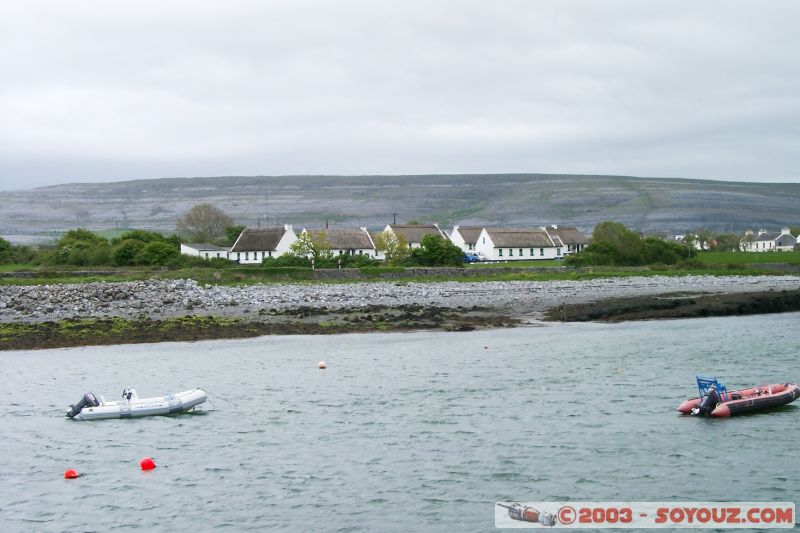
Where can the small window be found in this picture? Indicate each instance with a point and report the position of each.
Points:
(238, 256)
(247, 256)
(484, 240)
(531, 254)
(558, 251)
(500, 252)
(520, 252)
(510, 252)
(541, 251)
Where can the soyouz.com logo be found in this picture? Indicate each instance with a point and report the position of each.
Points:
(655, 515)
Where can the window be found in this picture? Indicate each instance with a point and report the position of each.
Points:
(500, 252)
(541, 251)
(510, 252)
(238, 256)
(247, 256)
(520, 252)
(484, 240)
(531, 254)
(558, 251)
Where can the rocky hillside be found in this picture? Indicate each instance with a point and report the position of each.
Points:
(648, 204)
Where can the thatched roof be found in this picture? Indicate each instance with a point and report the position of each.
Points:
(415, 232)
(519, 237)
(469, 233)
(344, 239)
(258, 240)
(568, 234)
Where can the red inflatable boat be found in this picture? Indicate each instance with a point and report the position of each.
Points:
(716, 400)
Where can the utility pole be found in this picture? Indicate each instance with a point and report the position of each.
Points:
(394, 219)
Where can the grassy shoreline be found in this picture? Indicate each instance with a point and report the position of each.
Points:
(243, 275)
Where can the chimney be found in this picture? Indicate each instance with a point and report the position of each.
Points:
(555, 226)
(287, 227)
(785, 231)
(748, 232)
(762, 231)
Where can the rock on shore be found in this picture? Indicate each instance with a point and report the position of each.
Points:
(162, 299)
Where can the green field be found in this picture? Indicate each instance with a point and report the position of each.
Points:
(748, 258)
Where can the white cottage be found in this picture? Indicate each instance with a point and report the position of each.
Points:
(465, 237)
(767, 242)
(255, 244)
(346, 241)
(204, 250)
(515, 244)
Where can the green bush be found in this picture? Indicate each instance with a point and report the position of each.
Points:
(157, 253)
(436, 251)
(126, 252)
(286, 261)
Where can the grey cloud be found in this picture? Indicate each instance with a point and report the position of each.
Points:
(97, 91)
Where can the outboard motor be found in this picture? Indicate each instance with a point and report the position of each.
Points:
(88, 399)
(709, 402)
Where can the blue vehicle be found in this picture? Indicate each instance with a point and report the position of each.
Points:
(471, 258)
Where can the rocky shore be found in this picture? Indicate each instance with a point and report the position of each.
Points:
(43, 313)
(162, 299)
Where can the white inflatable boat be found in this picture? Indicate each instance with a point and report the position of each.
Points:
(130, 406)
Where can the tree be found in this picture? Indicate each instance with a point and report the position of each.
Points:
(704, 237)
(436, 251)
(311, 245)
(626, 244)
(157, 253)
(394, 247)
(203, 223)
(5, 251)
(126, 252)
(232, 233)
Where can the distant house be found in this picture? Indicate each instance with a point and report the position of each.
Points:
(346, 241)
(515, 244)
(697, 244)
(204, 250)
(465, 237)
(413, 233)
(571, 239)
(255, 244)
(767, 242)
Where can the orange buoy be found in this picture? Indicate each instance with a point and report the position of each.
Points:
(147, 463)
(71, 474)
(321, 365)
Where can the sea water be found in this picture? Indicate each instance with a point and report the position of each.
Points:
(416, 431)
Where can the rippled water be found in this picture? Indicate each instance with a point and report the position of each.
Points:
(402, 432)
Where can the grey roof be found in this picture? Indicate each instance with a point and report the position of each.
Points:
(519, 237)
(344, 239)
(768, 236)
(469, 233)
(568, 234)
(415, 232)
(204, 246)
(258, 239)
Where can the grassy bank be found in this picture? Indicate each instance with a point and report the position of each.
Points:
(244, 275)
(748, 258)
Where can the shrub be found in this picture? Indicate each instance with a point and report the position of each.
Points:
(126, 252)
(157, 253)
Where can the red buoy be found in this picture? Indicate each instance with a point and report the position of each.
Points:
(147, 464)
(71, 474)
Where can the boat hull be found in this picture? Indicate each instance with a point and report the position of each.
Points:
(749, 400)
(162, 405)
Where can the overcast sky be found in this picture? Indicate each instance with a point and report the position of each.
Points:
(107, 90)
